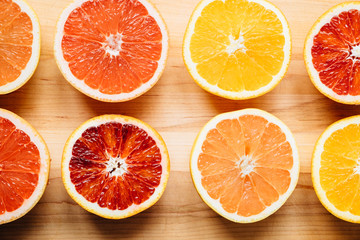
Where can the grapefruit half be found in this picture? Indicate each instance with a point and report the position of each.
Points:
(24, 166)
(19, 44)
(245, 164)
(111, 50)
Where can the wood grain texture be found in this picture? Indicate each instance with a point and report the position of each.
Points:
(177, 108)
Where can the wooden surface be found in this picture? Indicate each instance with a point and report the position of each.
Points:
(177, 108)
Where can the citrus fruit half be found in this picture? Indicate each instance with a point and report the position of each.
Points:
(19, 44)
(332, 53)
(245, 164)
(111, 50)
(24, 166)
(115, 166)
(336, 169)
(237, 49)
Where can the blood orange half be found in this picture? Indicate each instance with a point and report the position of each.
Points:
(24, 166)
(245, 164)
(19, 44)
(332, 53)
(111, 50)
(115, 166)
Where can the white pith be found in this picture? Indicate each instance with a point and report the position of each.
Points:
(94, 93)
(316, 165)
(245, 164)
(355, 53)
(246, 167)
(236, 45)
(94, 207)
(314, 74)
(116, 166)
(30, 68)
(357, 168)
(113, 45)
(44, 169)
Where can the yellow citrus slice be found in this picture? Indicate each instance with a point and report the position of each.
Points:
(245, 164)
(336, 169)
(24, 166)
(19, 44)
(115, 166)
(332, 53)
(237, 49)
(111, 50)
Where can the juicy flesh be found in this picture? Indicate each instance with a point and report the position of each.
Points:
(115, 165)
(336, 53)
(245, 163)
(237, 45)
(16, 41)
(19, 167)
(339, 171)
(112, 45)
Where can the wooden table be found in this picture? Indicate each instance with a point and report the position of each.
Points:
(177, 108)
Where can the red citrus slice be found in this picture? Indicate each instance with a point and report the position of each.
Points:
(245, 164)
(115, 166)
(24, 167)
(19, 44)
(111, 50)
(332, 53)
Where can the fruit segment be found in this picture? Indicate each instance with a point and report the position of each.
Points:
(245, 163)
(112, 45)
(115, 165)
(10, 72)
(19, 167)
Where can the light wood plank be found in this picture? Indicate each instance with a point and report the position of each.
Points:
(178, 109)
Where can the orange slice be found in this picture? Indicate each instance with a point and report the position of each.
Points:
(19, 44)
(115, 166)
(245, 164)
(336, 169)
(237, 49)
(24, 166)
(111, 50)
(332, 53)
